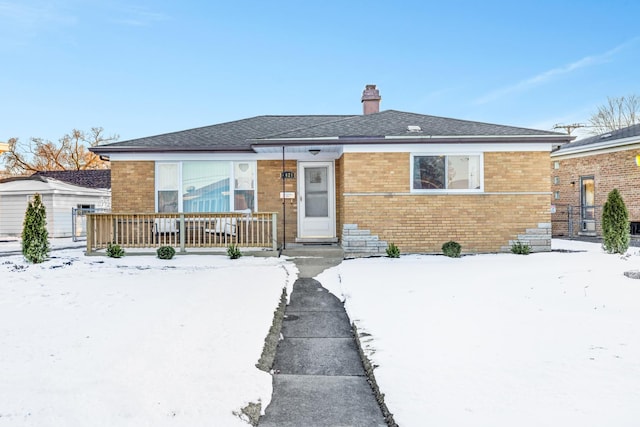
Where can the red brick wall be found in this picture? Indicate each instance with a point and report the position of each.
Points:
(610, 170)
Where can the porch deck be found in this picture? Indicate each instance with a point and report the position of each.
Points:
(183, 231)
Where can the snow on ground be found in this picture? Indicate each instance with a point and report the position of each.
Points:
(548, 339)
(487, 340)
(136, 341)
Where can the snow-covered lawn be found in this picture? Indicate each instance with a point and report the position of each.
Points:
(501, 340)
(490, 340)
(94, 341)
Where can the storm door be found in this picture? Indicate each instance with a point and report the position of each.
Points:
(587, 204)
(316, 200)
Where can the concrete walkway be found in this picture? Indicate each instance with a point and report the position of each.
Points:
(318, 376)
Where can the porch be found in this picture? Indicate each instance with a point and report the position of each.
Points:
(186, 232)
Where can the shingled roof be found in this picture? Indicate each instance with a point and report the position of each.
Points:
(229, 136)
(607, 139)
(243, 135)
(90, 178)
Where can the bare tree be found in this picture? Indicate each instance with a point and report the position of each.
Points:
(616, 114)
(69, 153)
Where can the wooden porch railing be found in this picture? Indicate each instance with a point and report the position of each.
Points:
(181, 230)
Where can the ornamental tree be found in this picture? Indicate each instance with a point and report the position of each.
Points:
(35, 237)
(615, 224)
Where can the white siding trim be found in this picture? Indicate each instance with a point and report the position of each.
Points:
(594, 151)
(182, 156)
(454, 193)
(449, 148)
(439, 147)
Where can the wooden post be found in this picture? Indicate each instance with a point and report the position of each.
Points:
(89, 226)
(182, 233)
(274, 231)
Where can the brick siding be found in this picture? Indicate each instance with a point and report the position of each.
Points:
(269, 189)
(423, 222)
(133, 186)
(610, 170)
(415, 222)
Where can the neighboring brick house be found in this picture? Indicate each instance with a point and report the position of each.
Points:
(411, 179)
(583, 173)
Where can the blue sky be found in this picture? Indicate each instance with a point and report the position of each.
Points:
(140, 68)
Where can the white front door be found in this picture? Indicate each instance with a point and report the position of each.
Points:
(316, 200)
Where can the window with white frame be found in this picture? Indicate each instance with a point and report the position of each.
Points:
(205, 186)
(167, 186)
(459, 172)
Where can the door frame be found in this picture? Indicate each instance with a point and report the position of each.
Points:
(331, 189)
(587, 212)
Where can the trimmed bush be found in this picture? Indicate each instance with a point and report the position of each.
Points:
(165, 252)
(452, 249)
(393, 251)
(114, 251)
(234, 252)
(520, 248)
(615, 224)
(35, 237)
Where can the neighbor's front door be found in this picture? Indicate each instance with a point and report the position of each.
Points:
(587, 204)
(316, 201)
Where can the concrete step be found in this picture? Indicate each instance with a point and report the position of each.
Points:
(352, 255)
(355, 234)
(363, 248)
(318, 356)
(316, 324)
(359, 238)
(346, 245)
(307, 400)
(543, 231)
(314, 300)
(534, 236)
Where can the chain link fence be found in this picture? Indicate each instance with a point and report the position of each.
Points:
(79, 221)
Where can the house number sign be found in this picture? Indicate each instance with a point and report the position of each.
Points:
(287, 175)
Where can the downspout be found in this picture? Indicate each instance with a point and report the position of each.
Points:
(284, 208)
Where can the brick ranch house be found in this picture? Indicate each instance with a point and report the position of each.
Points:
(583, 173)
(411, 179)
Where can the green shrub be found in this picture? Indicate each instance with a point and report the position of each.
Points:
(452, 249)
(393, 251)
(615, 224)
(35, 237)
(520, 248)
(165, 252)
(234, 252)
(114, 251)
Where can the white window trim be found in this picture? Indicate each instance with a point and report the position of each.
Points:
(155, 183)
(447, 190)
(252, 163)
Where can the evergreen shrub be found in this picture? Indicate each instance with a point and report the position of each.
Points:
(114, 251)
(35, 237)
(165, 252)
(452, 249)
(234, 252)
(615, 224)
(393, 251)
(520, 248)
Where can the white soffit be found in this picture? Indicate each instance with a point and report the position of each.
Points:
(598, 148)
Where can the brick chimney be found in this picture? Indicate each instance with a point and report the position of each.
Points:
(371, 100)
